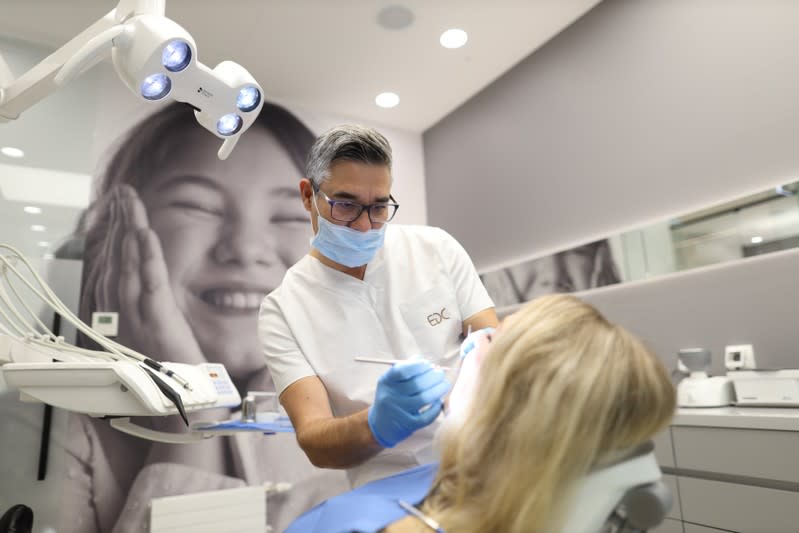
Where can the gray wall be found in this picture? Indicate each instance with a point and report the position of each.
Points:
(751, 301)
(641, 110)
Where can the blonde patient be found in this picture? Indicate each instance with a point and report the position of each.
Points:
(556, 392)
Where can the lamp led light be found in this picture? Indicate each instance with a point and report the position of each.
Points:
(38, 227)
(757, 239)
(248, 99)
(229, 124)
(176, 56)
(32, 209)
(156, 86)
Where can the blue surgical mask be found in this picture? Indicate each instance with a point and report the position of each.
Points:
(346, 246)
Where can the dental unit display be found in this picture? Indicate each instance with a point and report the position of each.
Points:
(115, 381)
(157, 59)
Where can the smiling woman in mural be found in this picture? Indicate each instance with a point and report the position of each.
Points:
(184, 247)
(577, 269)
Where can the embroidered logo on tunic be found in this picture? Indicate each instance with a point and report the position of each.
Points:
(437, 318)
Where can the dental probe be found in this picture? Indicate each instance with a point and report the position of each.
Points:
(390, 362)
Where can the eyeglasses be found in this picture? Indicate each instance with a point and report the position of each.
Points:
(346, 211)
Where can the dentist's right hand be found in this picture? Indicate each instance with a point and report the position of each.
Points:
(401, 393)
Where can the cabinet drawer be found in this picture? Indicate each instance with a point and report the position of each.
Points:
(671, 483)
(668, 526)
(740, 508)
(693, 528)
(663, 450)
(743, 452)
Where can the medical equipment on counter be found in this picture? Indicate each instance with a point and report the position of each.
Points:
(766, 388)
(739, 357)
(155, 58)
(116, 381)
(698, 389)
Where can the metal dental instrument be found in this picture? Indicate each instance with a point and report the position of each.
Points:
(395, 361)
(449, 355)
(429, 522)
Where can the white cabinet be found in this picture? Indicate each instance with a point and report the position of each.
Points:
(732, 473)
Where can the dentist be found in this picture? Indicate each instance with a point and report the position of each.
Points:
(367, 288)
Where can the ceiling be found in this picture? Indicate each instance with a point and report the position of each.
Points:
(331, 55)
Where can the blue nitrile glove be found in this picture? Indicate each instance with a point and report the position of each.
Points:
(401, 392)
(470, 342)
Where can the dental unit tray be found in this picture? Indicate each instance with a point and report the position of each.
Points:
(112, 388)
(119, 388)
(114, 381)
(271, 425)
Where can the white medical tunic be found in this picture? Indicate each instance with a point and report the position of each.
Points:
(413, 299)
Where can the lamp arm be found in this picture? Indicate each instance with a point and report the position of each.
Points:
(80, 53)
(89, 55)
(38, 82)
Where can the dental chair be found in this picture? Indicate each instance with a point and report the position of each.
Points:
(625, 496)
(17, 519)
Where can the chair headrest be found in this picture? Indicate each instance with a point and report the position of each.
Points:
(645, 506)
(598, 494)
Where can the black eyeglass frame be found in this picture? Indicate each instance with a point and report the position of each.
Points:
(367, 208)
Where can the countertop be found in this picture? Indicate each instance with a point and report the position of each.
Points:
(769, 418)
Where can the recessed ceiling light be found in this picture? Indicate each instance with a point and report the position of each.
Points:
(44, 244)
(757, 239)
(10, 151)
(32, 209)
(453, 38)
(48, 255)
(38, 227)
(387, 100)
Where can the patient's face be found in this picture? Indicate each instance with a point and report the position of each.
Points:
(474, 348)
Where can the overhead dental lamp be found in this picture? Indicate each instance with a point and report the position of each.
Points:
(156, 58)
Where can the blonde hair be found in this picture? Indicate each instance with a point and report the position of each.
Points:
(562, 391)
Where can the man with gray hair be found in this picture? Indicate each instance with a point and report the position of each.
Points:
(370, 289)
